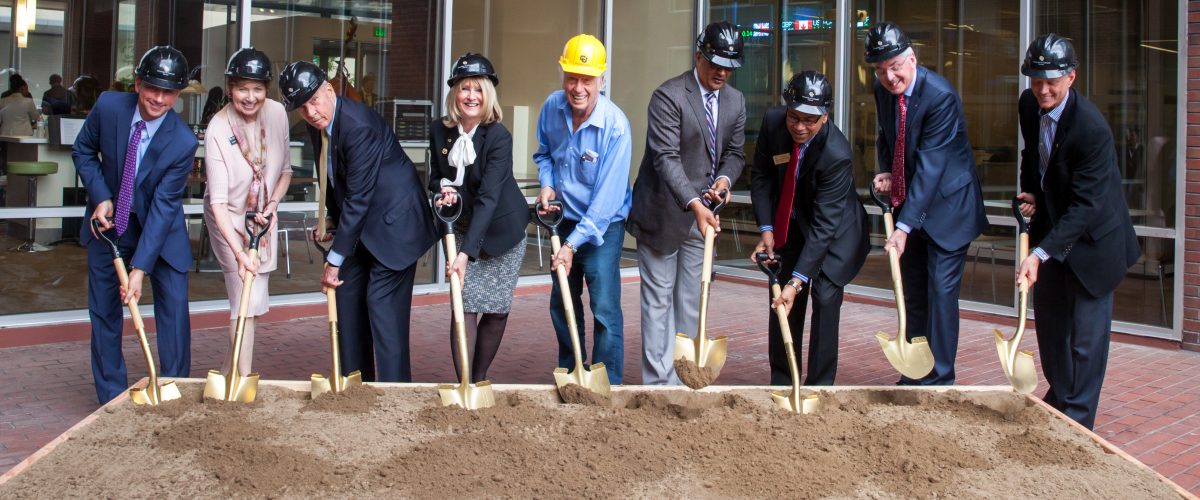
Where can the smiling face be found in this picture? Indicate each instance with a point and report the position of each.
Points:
(711, 76)
(318, 111)
(1050, 92)
(154, 102)
(470, 101)
(247, 96)
(803, 126)
(897, 73)
(582, 92)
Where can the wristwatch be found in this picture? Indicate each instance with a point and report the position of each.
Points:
(795, 283)
(571, 246)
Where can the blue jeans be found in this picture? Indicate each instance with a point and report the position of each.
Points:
(599, 267)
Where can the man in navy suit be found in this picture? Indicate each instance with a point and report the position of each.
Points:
(1071, 186)
(384, 224)
(133, 156)
(926, 163)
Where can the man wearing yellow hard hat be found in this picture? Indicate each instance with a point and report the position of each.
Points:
(694, 138)
(583, 157)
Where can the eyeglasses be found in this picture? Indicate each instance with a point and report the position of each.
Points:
(808, 121)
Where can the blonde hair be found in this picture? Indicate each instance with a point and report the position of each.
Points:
(491, 104)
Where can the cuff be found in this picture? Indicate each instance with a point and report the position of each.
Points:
(765, 228)
(576, 240)
(688, 205)
(727, 180)
(335, 259)
(801, 277)
(1041, 254)
(904, 227)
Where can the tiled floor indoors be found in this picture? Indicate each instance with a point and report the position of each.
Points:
(1150, 405)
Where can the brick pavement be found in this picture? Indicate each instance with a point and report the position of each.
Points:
(1150, 405)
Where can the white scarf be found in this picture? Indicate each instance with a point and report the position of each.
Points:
(462, 154)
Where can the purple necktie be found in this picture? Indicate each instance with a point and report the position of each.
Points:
(128, 175)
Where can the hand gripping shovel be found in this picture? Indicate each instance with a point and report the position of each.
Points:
(153, 393)
(465, 394)
(594, 379)
(335, 382)
(701, 350)
(791, 401)
(912, 358)
(232, 386)
(1018, 364)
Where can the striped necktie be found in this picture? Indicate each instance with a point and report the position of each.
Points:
(711, 139)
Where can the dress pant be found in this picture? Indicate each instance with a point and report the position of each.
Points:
(932, 278)
(173, 329)
(599, 267)
(1073, 330)
(670, 303)
(374, 304)
(823, 337)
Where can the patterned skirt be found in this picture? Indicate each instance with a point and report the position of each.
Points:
(490, 281)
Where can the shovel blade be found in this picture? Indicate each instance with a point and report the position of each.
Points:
(913, 358)
(688, 348)
(469, 396)
(1019, 369)
(216, 386)
(322, 384)
(594, 378)
(796, 402)
(143, 396)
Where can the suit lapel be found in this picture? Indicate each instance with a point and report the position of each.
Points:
(913, 103)
(695, 97)
(124, 124)
(335, 150)
(154, 149)
(814, 151)
(477, 140)
(1064, 123)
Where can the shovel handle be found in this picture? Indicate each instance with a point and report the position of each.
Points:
(883, 204)
(256, 236)
(771, 270)
(721, 202)
(448, 214)
(552, 218)
(1022, 222)
(112, 244)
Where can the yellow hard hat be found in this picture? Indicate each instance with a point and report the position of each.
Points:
(585, 55)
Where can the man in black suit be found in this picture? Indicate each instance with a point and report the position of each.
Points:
(807, 209)
(926, 163)
(384, 225)
(1085, 242)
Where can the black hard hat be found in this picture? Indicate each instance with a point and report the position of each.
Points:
(1049, 56)
(472, 65)
(809, 92)
(163, 67)
(721, 44)
(298, 82)
(885, 41)
(249, 63)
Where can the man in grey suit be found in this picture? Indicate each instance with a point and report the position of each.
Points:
(693, 152)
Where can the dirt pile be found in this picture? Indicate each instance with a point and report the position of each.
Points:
(694, 375)
(670, 444)
(575, 394)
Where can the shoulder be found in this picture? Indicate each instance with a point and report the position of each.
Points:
(615, 120)
(219, 125)
(775, 115)
(496, 130)
(1087, 118)
(836, 145)
(733, 93)
(110, 100)
(179, 129)
(554, 100)
(274, 111)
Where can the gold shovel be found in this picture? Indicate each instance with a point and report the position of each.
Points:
(465, 394)
(153, 393)
(701, 350)
(1018, 364)
(594, 378)
(911, 357)
(335, 382)
(233, 386)
(793, 400)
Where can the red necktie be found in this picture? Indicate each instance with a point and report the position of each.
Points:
(898, 192)
(783, 212)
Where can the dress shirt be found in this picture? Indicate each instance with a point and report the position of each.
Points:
(147, 134)
(1046, 131)
(908, 92)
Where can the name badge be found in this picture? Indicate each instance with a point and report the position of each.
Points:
(782, 158)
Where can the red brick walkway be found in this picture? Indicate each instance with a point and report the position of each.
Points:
(1150, 406)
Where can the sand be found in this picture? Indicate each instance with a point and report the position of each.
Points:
(694, 375)
(398, 443)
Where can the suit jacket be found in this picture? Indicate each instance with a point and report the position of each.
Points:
(99, 155)
(830, 221)
(376, 197)
(944, 197)
(676, 165)
(1082, 218)
(492, 202)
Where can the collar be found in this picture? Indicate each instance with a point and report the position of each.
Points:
(151, 125)
(1056, 113)
(596, 118)
(329, 128)
(696, 75)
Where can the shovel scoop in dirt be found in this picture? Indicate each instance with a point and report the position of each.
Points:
(1018, 364)
(701, 358)
(595, 378)
(335, 383)
(232, 385)
(465, 394)
(793, 400)
(153, 393)
(911, 357)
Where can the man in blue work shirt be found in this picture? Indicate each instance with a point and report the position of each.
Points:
(583, 158)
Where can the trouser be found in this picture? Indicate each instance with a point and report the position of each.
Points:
(599, 267)
(932, 278)
(374, 304)
(823, 337)
(670, 303)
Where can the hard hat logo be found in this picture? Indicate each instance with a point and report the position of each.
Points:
(582, 58)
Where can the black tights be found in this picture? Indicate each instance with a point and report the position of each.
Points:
(488, 331)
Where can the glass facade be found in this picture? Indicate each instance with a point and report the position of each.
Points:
(392, 54)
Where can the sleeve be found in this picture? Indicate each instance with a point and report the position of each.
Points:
(1030, 176)
(364, 152)
(883, 150)
(543, 156)
(497, 169)
(32, 110)
(762, 178)
(435, 160)
(216, 171)
(165, 209)
(833, 181)
(733, 157)
(934, 150)
(663, 139)
(86, 154)
(608, 196)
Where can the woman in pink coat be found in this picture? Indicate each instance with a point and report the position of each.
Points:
(247, 164)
